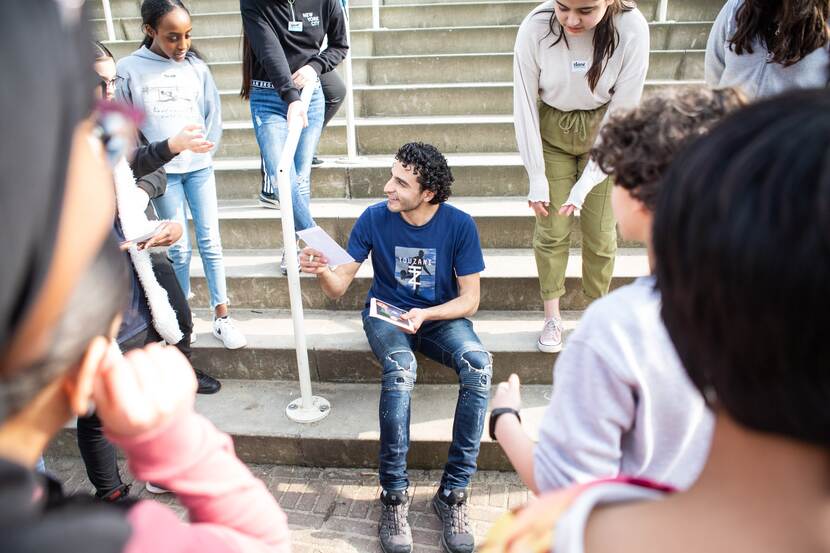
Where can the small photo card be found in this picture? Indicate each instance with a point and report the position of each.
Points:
(389, 313)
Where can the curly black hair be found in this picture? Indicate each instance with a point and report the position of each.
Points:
(637, 146)
(430, 167)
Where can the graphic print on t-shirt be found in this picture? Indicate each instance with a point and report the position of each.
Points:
(415, 271)
(164, 98)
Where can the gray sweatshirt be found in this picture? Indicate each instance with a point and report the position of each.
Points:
(172, 94)
(622, 403)
(753, 73)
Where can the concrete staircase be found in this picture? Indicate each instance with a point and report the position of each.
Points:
(438, 72)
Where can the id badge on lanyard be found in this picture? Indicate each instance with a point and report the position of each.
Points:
(294, 26)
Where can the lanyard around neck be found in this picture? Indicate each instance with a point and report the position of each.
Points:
(291, 5)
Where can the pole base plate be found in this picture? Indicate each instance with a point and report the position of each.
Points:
(320, 408)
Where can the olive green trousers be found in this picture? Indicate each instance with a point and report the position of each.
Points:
(567, 138)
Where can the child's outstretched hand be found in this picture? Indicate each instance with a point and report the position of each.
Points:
(143, 390)
(508, 394)
(192, 138)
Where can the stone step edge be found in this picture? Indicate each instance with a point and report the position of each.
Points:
(408, 120)
(499, 263)
(272, 329)
(481, 85)
(392, 57)
(425, 29)
(377, 161)
(253, 413)
(352, 208)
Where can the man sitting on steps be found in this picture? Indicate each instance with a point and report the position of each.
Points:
(415, 233)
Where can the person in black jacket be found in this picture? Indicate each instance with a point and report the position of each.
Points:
(147, 164)
(137, 330)
(282, 55)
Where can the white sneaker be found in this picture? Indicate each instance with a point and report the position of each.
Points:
(155, 489)
(224, 329)
(551, 339)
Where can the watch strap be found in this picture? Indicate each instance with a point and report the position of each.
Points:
(494, 416)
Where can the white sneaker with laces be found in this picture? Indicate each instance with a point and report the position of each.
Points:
(551, 339)
(152, 488)
(232, 338)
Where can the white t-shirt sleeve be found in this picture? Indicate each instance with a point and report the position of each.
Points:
(590, 410)
(526, 111)
(628, 89)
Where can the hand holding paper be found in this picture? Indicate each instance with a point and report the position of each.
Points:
(321, 243)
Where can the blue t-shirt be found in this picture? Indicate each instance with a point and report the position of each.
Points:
(416, 266)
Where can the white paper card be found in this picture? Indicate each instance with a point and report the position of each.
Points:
(318, 239)
(389, 313)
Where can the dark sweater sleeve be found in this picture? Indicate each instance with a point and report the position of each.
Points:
(150, 157)
(154, 184)
(338, 41)
(268, 50)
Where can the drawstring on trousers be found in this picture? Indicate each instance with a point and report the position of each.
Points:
(575, 121)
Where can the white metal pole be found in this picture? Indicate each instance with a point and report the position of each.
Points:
(351, 134)
(352, 158)
(662, 11)
(376, 14)
(306, 408)
(108, 17)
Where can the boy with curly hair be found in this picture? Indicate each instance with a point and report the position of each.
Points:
(621, 402)
(426, 258)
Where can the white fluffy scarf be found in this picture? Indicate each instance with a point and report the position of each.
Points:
(134, 222)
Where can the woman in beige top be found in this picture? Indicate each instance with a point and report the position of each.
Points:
(575, 61)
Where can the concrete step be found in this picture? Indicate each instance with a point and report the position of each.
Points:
(475, 175)
(434, 69)
(509, 283)
(481, 98)
(435, 41)
(406, 13)
(451, 134)
(253, 413)
(339, 352)
(502, 222)
(384, 135)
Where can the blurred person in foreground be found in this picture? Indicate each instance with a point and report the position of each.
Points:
(621, 402)
(63, 285)
(742, 250)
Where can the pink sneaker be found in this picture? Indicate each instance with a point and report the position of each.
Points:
(551, 339)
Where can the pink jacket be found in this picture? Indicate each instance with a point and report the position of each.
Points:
(229, 509)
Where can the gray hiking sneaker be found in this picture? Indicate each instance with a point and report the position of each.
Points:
(393, 528)
(456, 536)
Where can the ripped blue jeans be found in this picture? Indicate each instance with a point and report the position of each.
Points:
(269, 112)
(455, 345)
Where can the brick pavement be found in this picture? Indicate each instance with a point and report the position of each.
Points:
(336, 510)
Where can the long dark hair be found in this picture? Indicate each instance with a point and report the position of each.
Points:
(606, 37)
(789, 29)
(742, 243)
(101, 51)
(151, 13)
(247, 67)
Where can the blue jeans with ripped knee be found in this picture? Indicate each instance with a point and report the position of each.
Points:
(455, 345)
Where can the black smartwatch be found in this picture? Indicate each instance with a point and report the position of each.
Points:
(494, 416)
